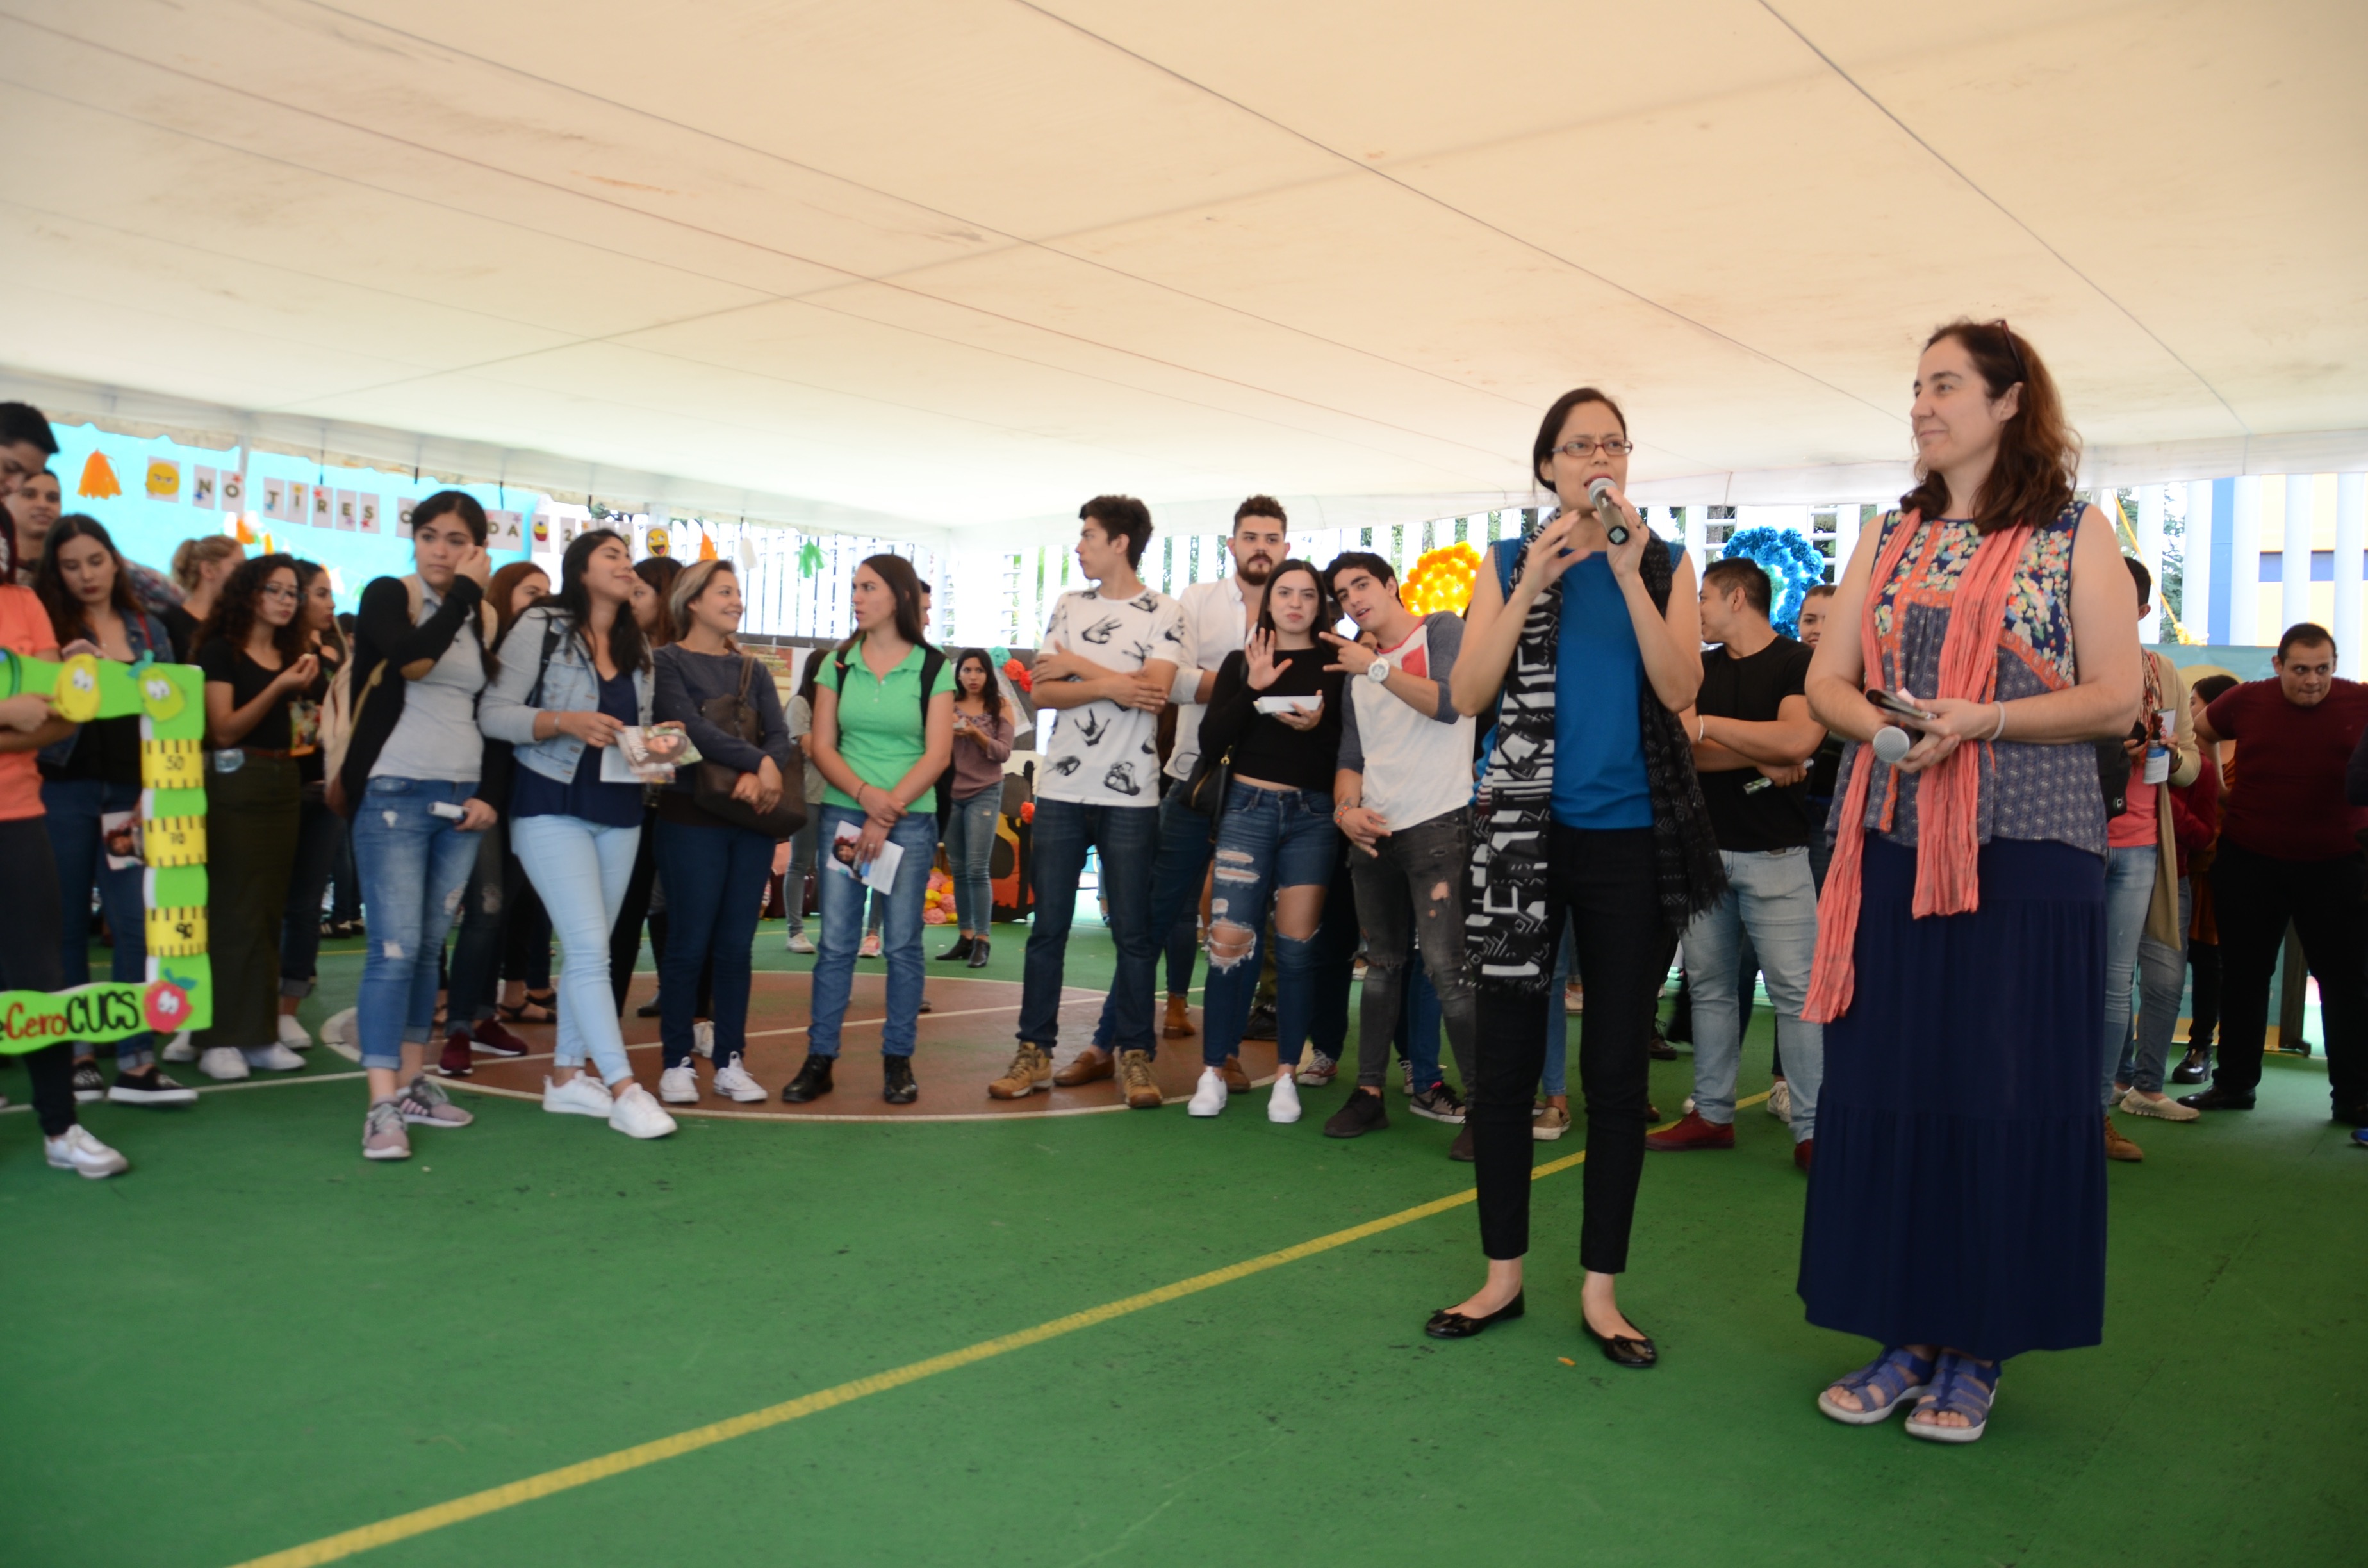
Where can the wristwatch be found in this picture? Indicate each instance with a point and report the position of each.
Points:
(1377, 672)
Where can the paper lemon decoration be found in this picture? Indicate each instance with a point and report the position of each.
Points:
(76, 697)
(159, 696)
(1442, 580)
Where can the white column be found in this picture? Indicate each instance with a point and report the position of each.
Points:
(1845, 536)
(2244, 565)
(1696, 515)
(2302, 491)
(2350, 525)
(2151, 629)
(2195, 554)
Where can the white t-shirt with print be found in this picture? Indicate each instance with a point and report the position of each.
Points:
(1102, 754)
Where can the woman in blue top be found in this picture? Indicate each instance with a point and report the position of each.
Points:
(576, 670)
(1589, 816)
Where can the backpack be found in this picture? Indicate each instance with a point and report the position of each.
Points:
(932, 661)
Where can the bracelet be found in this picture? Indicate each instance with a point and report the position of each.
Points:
(1702, 728)
(2001, 723)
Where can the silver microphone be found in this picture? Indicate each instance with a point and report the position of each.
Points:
(1891, 744)
(1607, 507)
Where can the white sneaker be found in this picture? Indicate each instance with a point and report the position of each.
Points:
(1780, 1101)
(637, 1114)
(338, 1034)
(292, 1034)
(702, 1038)
(75, 1150)
(733, 1079)
(2169, 1109)
(1689, 1107)
(1315, 1069)
(1282, 1103)
(178, 1049)
(678, 1085)
(800, 942)
(584, 1094)
(1209, 1094)
(273, 1058)
(223, 1062)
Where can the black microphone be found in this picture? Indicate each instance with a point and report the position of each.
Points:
(1607, 507)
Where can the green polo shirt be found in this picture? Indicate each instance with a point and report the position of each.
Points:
(880, 729)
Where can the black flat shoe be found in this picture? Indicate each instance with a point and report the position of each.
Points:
(811, 1082)
(2216, 1099)
(897, 1086)
(978, 952)
(958, 952)
(1620, 1350)
(1448, 1324)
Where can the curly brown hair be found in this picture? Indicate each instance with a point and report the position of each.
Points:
(234, 616)
(2039, 454)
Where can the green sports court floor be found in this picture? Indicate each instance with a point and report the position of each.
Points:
(256, 1342)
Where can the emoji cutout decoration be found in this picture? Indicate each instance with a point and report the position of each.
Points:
(164, 480)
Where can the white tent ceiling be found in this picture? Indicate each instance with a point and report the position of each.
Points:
(909, 265)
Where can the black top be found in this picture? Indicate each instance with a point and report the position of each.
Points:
(1263, 746)
(586, 796)
(383, 633)
(182, 628)
(1825, 769)
(106, 750)
(1746, 811)
(685, 681)
(247, 680)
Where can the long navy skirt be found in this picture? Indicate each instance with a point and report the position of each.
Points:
(1958, 1193)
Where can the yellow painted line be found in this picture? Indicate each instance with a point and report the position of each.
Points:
(402, 1526)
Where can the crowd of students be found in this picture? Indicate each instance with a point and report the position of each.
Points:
(1957, 826)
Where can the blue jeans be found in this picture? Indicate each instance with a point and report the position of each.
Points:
(413, 865)
(1420, 1022)
(969, 851)
(581, 869)
(1128, 837)
(1180, 864)
(71, 808)
(2162, 977)
(1771, 900)
(915, 833)
(2129, 889)
(715, 891)
(1266, 840)
(320, 834)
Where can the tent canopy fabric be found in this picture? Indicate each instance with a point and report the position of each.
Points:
(949, 266)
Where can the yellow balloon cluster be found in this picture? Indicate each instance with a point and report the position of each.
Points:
(1442, 580)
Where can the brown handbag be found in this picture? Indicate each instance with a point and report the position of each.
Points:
(711, 785)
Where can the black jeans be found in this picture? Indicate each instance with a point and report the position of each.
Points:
(1411, 894)
(1602, 884)
(2253, 899)
(2203, 1017)
(28, 959)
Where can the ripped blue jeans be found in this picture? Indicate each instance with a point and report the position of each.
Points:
(1266, 840)
(414, 864)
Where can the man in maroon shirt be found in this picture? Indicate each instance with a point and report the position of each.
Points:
(2290, 851)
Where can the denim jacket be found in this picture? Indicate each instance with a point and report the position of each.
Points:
(570, 686)
(147, 636)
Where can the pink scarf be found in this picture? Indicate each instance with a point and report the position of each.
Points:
(1947, 879)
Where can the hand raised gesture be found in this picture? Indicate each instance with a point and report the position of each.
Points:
(1258, 658)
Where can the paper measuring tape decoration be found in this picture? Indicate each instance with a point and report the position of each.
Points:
(172, 765)
(178, 990)
(173, 840)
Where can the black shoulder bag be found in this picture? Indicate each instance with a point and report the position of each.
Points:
(711, 785)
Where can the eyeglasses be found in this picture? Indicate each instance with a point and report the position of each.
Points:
(275, 591)
(1581, 447)
(2021, 371)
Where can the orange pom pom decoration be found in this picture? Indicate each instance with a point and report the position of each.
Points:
(1442, 580)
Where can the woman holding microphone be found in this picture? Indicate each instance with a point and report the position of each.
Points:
(1956, 1210)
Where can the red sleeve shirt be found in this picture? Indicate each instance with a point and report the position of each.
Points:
(2286, 801)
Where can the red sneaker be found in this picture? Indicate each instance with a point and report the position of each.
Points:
(490, 1037)
(458, 1060)
(1804, 1151)
(1692, 1133)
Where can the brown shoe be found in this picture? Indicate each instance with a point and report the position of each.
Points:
(1031, 1070)
(1178, 1024)
(2118, 1147)
(1134, 1080)
(1461, 1148)
(1089, 1066)
(1236, 1081)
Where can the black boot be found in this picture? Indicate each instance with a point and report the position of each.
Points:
(959, 951)
(896, 1079)
(811, 1082)
(978, 952)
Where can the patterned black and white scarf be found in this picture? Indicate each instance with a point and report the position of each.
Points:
(1505, 931)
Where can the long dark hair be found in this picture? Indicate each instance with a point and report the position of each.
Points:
(503, 591)
(66, 618)
(815, 659)
(992, 694)
(661, 573)
(234, 616)
(906, 585)
(306, 570)
(627, 648)
(1327, 609)
(2038, 454)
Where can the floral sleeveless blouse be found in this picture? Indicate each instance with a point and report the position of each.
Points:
(2027, 791)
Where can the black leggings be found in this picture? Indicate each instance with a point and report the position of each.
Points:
(30, 960)
(2204, 1019)
(1602, 883)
